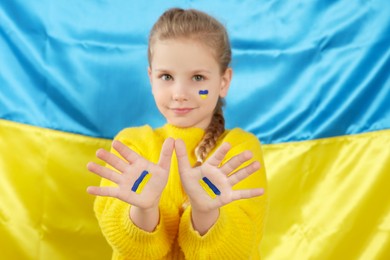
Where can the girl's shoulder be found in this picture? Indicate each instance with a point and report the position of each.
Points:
(143, 140)
(140, 136)
(241, 140)
(238, 135)
(134, 132)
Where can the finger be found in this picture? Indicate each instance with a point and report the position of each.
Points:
(181, 154)
(166, 153)
(103, 172)
(103, 191)
(125, 151)
(243, 173)
(246, 194)
(112, 160)
(219, 155)
(235, 162)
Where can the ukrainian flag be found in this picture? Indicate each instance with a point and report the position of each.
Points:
(311, 80)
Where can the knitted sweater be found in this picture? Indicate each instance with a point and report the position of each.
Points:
(235, 235)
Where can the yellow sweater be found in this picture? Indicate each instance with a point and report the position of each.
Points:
(236, 234)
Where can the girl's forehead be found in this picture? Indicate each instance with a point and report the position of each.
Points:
(171, 49)
(185, 42)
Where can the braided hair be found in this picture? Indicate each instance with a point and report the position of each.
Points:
(212, 133)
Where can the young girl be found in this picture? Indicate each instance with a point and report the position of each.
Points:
(190, 189)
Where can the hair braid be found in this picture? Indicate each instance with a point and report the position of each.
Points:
(212, 133)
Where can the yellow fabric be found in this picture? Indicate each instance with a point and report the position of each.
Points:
(328, 198)
(236, 234)
(45, 212)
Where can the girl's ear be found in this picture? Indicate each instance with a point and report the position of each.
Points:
(225, 83)
(150, 75)
(150, 79)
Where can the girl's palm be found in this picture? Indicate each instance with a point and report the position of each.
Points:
(130, 170)
(221, 177)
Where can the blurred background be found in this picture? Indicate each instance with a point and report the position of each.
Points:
(311, 81)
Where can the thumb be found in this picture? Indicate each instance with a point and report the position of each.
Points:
(181, 154)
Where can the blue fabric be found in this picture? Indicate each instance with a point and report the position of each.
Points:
(302, 69)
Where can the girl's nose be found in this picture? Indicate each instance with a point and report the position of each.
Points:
(179, 93)
(179, 97)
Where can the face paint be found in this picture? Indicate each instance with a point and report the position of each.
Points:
(209, 187)
(140, 183)
(203, 93)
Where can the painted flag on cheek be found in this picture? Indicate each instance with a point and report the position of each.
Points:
(203, 93)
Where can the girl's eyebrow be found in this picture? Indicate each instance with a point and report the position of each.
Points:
(158, 70)
(202, 71)
(194, 71)
(198, 71)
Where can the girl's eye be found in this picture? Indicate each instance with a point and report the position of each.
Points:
(198, 78)
(166, 77)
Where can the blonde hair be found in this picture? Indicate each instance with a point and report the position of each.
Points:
(192, 24)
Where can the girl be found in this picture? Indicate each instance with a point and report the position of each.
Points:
(190, 189)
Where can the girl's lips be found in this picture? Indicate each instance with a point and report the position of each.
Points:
(181, 111)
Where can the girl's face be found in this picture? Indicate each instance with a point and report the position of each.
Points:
(181, 72)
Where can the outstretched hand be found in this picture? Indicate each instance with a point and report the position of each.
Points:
(130, 170)
(219, 176)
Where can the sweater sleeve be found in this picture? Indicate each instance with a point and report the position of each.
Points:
(127, 240)
(238, 231)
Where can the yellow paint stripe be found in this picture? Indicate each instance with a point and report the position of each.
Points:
(143, 183)
(207, 189)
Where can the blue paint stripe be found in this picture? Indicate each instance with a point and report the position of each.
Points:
(139, 180)
(212, 186)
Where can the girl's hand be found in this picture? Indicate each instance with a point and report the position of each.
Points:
(131, 168)
(200, 200)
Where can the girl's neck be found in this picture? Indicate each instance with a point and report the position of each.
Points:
(191, 135)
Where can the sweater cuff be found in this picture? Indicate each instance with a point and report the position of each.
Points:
(129, 240)
(220, 242)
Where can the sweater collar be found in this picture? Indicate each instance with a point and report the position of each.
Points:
(190, 135)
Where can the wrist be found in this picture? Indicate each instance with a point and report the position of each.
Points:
(202, 221)
(145, 211)
(146, 219)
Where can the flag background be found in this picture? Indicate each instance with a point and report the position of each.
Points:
(311, 80)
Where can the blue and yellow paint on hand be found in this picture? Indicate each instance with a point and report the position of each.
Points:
(140, 183)
(209, 187)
